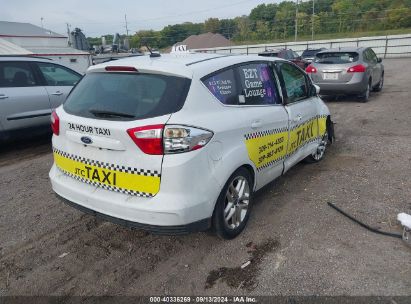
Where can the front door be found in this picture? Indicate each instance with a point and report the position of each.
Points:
(301, 105)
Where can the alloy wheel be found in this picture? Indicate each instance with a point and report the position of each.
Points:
(319, 153)
(236, 202)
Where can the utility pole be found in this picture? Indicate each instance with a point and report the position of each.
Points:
(125, 18)
(312, 24)
(296, 21)
(68, 34)
(41, 19)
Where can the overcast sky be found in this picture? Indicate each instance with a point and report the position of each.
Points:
(96, 18)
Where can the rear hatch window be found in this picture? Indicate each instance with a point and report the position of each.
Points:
(127, 96)
(336, 57)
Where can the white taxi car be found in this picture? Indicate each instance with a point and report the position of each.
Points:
(179, 143)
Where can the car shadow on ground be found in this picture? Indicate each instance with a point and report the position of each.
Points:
(24, 147)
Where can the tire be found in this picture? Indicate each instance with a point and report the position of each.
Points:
(364, 97)
(379, 86)
(320, 153)
(232, 209)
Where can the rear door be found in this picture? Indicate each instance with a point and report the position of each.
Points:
(24, 102)
(302, 113)
(58, 81)
(111, 130)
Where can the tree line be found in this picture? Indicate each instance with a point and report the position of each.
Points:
(277, 22)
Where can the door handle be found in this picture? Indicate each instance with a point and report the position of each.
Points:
(298, 118)
(3, 96)
(256, 124)
(58, 93)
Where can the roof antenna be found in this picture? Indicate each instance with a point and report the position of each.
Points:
(152, 54)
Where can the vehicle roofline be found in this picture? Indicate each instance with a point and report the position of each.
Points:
(177, 68)
(25, 57)
(344, 49)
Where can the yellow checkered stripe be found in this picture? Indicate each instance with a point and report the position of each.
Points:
(322, 125)
(121, 179)
(303, 134)
(266, 148)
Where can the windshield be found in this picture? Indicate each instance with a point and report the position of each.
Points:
(336, 57)
(310, 53)
(127, 96)
(269, 54)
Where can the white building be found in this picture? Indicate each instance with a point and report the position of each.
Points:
(36, 41)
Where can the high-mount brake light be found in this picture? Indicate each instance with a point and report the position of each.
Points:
(120, 69)
(359, 68)
(311, 69)
(55, 123)
(148, 138)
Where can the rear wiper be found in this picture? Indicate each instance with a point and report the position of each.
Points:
(103, 113)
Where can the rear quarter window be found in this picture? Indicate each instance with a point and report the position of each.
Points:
(137, 95)
(336, 57)
(223, 86)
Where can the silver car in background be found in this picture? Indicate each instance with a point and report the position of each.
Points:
(347, 71)
(30, 89)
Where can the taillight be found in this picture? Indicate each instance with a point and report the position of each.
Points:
(311, 69)
(55, 123)
(171, 139)
(178, 139)
(359, 68)
(148, 138)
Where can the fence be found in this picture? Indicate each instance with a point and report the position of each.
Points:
(393, 46)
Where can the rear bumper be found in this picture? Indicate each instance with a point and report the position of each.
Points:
(201, 225)
(184, 203)
(355, 86)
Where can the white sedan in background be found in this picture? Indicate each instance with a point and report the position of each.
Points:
(178, 143)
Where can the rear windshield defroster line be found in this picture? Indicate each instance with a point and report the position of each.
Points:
(127, 96)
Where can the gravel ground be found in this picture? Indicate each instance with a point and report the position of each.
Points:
(298, 245)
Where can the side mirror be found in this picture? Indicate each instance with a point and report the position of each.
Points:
(379, 60)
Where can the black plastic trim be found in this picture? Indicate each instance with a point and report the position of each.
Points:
(198, 226)
(29, 116)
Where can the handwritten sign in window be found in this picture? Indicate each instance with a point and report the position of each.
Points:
(223, 86)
